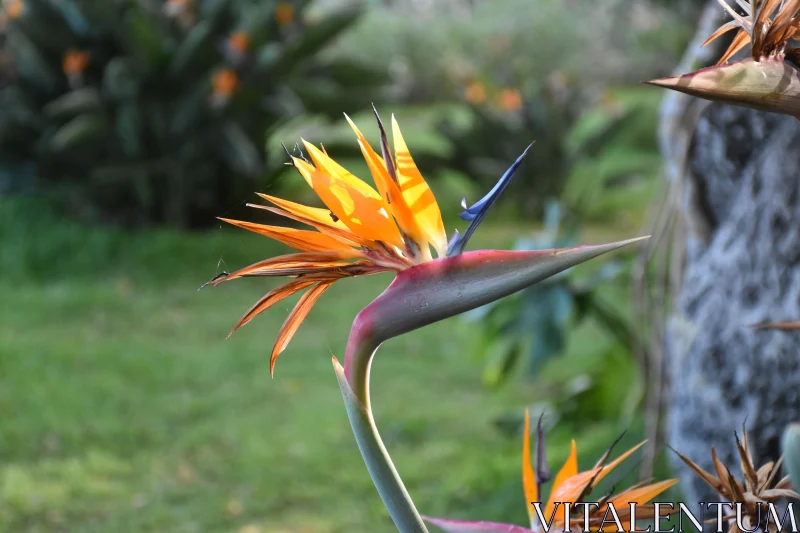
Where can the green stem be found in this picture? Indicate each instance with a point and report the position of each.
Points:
(379, 464)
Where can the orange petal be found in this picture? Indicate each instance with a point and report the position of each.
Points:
(289, 264)
(390, 190)
(296, 318)
(740, 41)
(322, 216)
(271, 298)
(613, 464)
(357, 204)
(572, 487)
(528, 475)
(725, 28)
(323, 162)
(641, 495)
(343, 234)
(303, 240)
(418, 195)
(567, 471)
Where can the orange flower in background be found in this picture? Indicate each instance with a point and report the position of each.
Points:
(475, 93)
(363, 231)
(75, 62)
(225, 82)
(14, 8)
(239, 42)
(284, 13)
(510, 100)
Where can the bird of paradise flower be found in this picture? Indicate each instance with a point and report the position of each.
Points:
(395, 228)
(569, 486)
(362, 231)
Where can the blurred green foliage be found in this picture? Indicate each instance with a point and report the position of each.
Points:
(140, 111)
(597, 164)
(599, 159)
(561, 74)
(434, 50)
(531, 327)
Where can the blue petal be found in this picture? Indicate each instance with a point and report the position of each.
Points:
(477, 211)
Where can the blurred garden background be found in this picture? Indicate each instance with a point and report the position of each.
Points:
(127, 126)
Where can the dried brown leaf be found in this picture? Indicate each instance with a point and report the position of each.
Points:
(750, 475)
(712, 481)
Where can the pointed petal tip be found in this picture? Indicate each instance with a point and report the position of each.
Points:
(526, 150)
(670, 81)
(601, 248)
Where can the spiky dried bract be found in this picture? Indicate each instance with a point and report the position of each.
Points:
(767, 25)
(757, 485)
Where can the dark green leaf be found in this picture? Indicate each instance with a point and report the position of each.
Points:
(79, 132)
(120, 79)
(197, 41)
(240, 151)
(315, 38)
(75, 102)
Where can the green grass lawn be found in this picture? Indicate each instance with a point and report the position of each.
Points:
(125, 409)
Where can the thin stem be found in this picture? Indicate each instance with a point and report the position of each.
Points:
(355, 390)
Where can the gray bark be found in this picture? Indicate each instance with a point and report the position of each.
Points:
(741, 270)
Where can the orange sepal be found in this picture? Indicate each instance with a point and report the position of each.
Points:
(271, 298)
(317, 214)
(289, 264)
(641, 495)
(390, 190)
(528, 474)
(417, 194)
(303, 240)
(354, 202)
(567, 471)
(295, 318)
(741, 40)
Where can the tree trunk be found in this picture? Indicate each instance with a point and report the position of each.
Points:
(744, 270)
(739, 175)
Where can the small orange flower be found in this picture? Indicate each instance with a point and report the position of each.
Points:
(284, 13)
(510, 100)
(225, 82)
(475, 93)
(75, 62)
(14, 8)
(239, 42)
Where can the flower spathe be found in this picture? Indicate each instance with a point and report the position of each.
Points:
(364, 230)
(569, 486)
